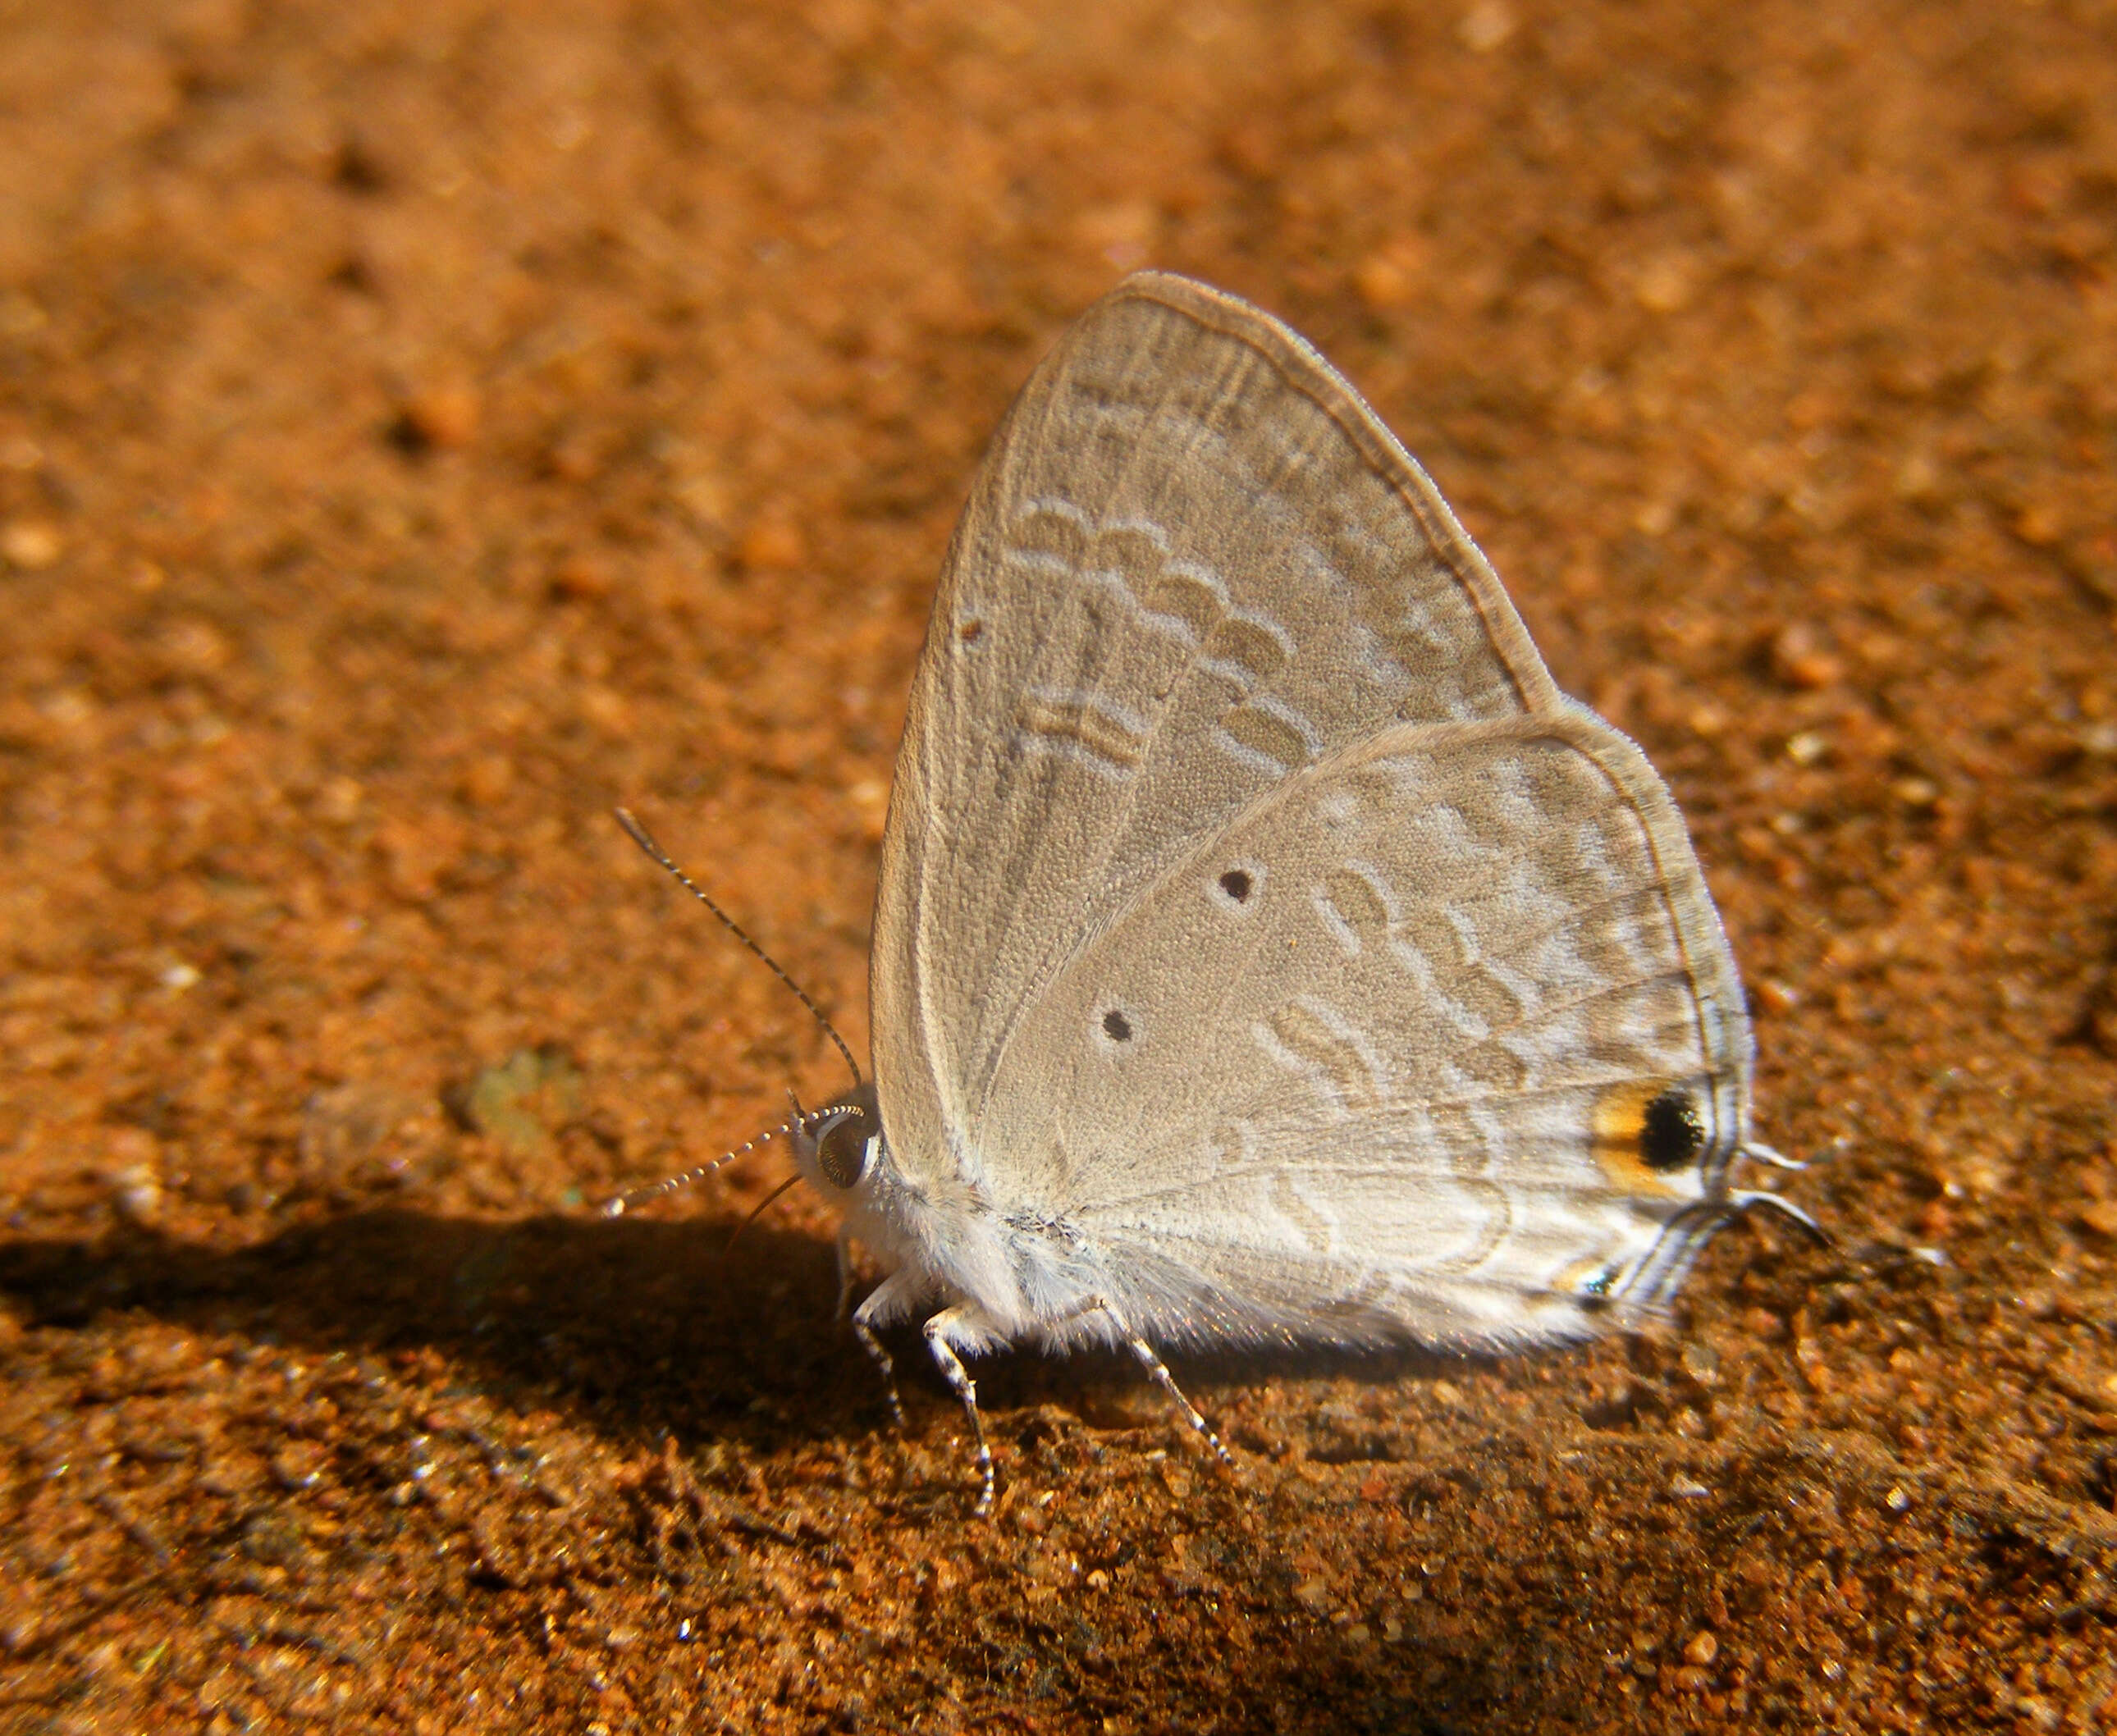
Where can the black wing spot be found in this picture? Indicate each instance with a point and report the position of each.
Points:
(1671, 1131)
(1117, 1027)
(1235, 888)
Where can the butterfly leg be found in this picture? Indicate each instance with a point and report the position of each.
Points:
(952, 1329)
(885, 1364)
(880, 1304)
(1158, 1371)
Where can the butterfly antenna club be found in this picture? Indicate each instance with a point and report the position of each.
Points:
(661, 858)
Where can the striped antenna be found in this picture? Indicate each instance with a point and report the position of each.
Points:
(639, 836)
(625, 1202)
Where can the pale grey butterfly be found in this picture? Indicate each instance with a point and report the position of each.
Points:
(1266, 951)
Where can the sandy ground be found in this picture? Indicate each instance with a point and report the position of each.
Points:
(422, 425)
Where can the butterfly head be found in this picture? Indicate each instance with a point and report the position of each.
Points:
(837, 1145)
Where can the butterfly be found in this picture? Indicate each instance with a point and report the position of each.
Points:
(1266, 953)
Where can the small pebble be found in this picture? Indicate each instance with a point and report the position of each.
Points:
(1667, 282)
(1774, 997)
(1762, 1324)
(442, 416)
(1799, 660)
(30, 544)
(772, 546)
(1486, 25)
(138, 1195)
(2100, 1216)
(1390, 278)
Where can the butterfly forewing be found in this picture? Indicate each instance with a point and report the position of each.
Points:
(1192, 563)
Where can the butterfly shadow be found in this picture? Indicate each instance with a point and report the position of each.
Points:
(640, 1326)
(645, 1329)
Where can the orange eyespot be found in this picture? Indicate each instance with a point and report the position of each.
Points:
(1646, 1133)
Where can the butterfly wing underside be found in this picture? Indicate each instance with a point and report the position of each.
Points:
(1224, 914)
(1402, 1083)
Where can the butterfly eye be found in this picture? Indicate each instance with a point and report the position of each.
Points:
(1671, 1131)
(842, 1142)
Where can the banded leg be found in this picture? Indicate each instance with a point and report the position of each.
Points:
(940, 1331)
(1158, 1372)
(881, 1303)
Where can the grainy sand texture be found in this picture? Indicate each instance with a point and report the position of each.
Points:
(423, 426)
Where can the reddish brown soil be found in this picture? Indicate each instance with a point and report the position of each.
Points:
(422, 425)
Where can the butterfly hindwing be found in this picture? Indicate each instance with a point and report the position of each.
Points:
(1403, 1082)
